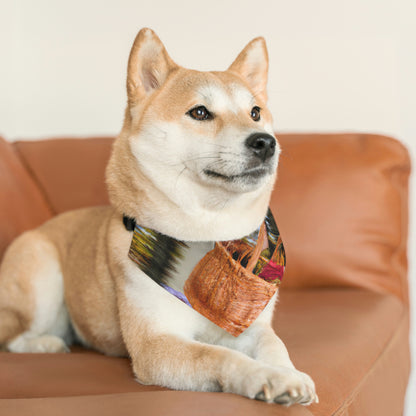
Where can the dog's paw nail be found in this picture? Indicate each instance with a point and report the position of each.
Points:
(267, 393)
(260, 396)
(316, 398)
(264, 394)
(293, 393)
(284, 399)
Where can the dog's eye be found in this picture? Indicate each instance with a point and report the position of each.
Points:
(200, 113)
(255, 113)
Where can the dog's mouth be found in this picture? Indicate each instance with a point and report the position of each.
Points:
(250, 174)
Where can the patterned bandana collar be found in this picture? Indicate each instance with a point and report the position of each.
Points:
(230, 284)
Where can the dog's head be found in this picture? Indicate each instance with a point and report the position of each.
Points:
(200, 141)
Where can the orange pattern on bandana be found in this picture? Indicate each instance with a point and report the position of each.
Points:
(230, 285)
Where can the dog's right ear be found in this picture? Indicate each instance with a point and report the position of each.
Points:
(149, 66)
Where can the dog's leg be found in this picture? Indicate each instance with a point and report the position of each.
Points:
(176, 362)
(33, 317)
(170, 361)
(261, 343)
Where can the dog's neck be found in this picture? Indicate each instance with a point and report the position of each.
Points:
(213, 215)
(191, 220)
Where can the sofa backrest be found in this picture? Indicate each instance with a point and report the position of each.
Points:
(70, 172)
(340, 202)
(342, 206)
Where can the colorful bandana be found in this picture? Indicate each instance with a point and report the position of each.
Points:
(230, 285)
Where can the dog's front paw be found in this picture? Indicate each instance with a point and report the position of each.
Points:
(281, 385)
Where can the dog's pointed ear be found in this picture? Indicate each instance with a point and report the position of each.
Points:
(149, 65)
(252, 64)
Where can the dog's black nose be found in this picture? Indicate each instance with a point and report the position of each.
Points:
(262, 145)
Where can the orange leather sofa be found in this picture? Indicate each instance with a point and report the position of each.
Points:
(341, 205)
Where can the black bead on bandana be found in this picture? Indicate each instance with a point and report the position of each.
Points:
(230, 285)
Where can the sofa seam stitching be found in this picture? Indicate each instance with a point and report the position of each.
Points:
(349, 400)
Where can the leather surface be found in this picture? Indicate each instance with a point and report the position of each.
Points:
(341, 206)
(335, 335)
(22, 205)
(377, 393)
(69, 171)
(340, 202)
(148, 404)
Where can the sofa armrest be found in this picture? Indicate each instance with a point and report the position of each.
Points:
(22, 204)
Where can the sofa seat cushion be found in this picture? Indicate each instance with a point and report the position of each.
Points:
(353, 343)
(340, 337)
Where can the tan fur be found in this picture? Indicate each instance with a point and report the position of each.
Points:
(74, 270)
(16, 294)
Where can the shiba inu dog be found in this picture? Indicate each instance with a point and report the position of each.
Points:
(196, 160)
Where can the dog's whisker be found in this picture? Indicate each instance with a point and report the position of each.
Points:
(219, 164)
(201, 157)
(210, 143)
(193, 159)
(230, 153)
(179, 175)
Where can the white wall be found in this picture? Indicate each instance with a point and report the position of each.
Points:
(335, 65)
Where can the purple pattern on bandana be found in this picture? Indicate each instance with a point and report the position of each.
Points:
(176, 293)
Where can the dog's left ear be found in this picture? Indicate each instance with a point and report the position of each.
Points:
(252, 64)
